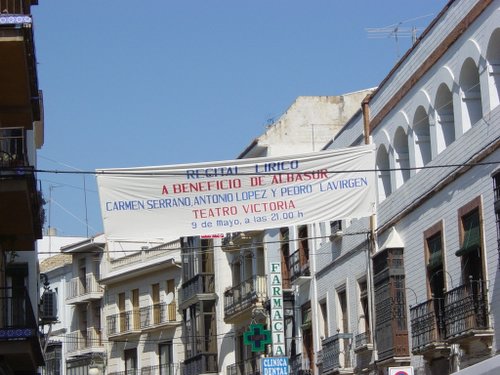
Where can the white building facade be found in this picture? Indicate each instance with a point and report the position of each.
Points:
(416, 285)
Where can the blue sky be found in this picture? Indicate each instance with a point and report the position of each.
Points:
(155, 82)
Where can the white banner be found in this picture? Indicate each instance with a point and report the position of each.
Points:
(157, 203)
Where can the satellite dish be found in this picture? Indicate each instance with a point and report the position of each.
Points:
(170, 298)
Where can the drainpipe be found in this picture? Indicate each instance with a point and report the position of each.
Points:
(372, 239)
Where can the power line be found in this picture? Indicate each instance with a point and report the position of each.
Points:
(155, 174)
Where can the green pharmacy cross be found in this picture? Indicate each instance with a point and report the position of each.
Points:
(258, 337)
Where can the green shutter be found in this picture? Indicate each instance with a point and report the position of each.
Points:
(472, 235)
(435, 252)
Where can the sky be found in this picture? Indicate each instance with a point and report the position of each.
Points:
(161, 82)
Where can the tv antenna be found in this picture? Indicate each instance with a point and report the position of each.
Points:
(397, 31)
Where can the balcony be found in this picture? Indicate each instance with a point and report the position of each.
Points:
(466, 312)
(159, 315)
(200, 287)
(248, 367)
(202, 363)
(167, 369)
(300, 366)
(123, 324)
(83, 290)
(240, 300)
(20, 202)
(19, 99)
(84, 342)
(427, 327)
(337, 354)
(19, 337)
(298, 265)
(363, 341)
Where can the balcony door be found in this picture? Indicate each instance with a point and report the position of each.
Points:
(166, 358)
(130, 356)
(17, 284)
(155, 295)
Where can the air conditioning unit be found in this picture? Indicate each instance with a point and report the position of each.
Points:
(48, 307)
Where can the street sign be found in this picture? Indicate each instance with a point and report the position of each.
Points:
(405, 370)
(274, 366)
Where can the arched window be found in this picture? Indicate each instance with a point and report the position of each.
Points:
(445, 121)
(401, 157)
(383, 173)
(421, 137)
(493, 57)
(470, 91)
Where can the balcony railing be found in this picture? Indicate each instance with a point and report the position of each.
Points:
(248, 367)
(86, 340)
(12, 147)
(124, 322)
(298, 264)
(200, 364)
(80, 288)
(203, 283)
(132, 371)
(300, 365)
(157, 314)
(363, 341)
(17, 320)
(165, 250)
(15, 6)
(245, 295)
(337, 352)
(427, 324)
(466, 309)
(167, 369)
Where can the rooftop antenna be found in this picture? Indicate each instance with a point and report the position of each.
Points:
(396, 31)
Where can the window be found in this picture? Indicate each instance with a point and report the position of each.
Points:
(470, 239)
(166, 358)
(324, 319)
(172, 307)
(304, 246)
(336, 227)
(364, 317)
(433, 247)
(155, 296)
(285, 257)
(496, 194)
(130, 356)
(135, 308)
(342, 313)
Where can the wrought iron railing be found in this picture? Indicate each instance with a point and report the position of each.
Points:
(362, 340)
(87, 339)
(17, 319)
(466, 309)
(166, 369)
(15, 6)
(247, 367)
(245, 295)
(300, 365)
(158, 313)
(12, 147)
(124, 322)
(337, 352)
(78, 287)
(167, 250)
(203, 283)
(200, 364)
(427, 324)
(132, 371)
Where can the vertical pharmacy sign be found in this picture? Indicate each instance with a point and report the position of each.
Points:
(277, 319)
